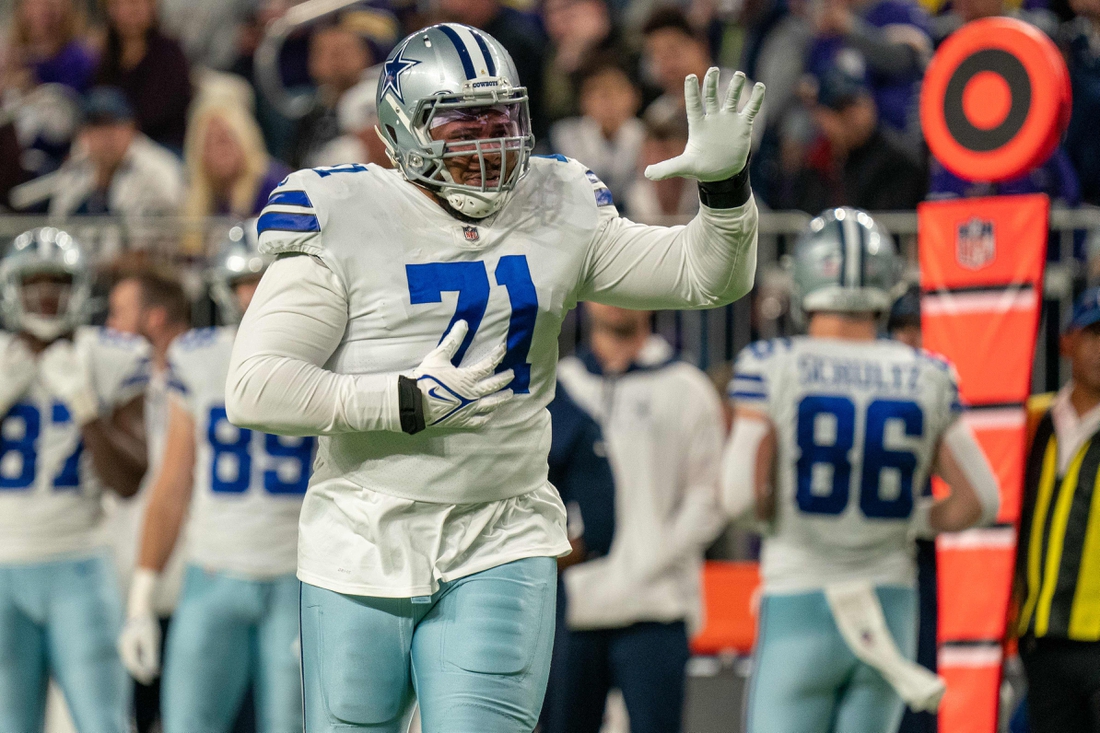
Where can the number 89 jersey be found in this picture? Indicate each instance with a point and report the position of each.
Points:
(857, 428)
(248, 486)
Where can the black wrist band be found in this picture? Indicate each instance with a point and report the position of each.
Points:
(410, 405)
(727, 194)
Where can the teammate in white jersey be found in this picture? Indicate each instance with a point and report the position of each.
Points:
(71, 400)
(412, 321)
(834, 436)
(236, 622)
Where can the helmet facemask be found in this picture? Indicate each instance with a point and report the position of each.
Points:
(46, 284)
(473, 148)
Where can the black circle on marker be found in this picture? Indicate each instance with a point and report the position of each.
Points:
(1008, 67)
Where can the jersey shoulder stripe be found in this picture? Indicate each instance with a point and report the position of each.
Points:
(289, 197)
(287, 222)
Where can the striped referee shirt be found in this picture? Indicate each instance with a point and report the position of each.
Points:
(1058, 562)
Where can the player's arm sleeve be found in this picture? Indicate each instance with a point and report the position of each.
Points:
(277, 382)
(709, 262)
(963, 464)
(747, 467)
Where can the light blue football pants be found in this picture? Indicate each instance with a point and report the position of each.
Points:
(61, 619)
(227, 631)
(806, 679)
(476, 655)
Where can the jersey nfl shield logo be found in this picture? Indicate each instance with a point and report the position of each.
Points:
(470, 233)
(975, 244)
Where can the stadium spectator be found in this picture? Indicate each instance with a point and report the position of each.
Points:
(628, 614)
(357, 113)
(673, 49)
(339, 53)
(854, 161)
(46, 46)
(579, 470)
(149, 67)
(1059, 555)
(652, 202)
(1081, 43)
(608, 137)
(46, 67)
(228, 169)
(520, 35)
(114, 168)
(578, 30)
(155, 307)
(893, 37)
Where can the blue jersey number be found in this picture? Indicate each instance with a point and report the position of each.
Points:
(19, 433)
(470, 280)
(231, 467)
(876, 456)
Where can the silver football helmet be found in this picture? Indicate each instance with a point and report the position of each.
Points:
(845, 262)
(238, 257)
(46, 310)
(451, 72)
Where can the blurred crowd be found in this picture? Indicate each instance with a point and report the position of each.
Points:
(137, 107)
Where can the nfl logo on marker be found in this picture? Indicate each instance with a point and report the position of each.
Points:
(470, 233)
(975, 244)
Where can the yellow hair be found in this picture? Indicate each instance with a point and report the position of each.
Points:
(243, 127)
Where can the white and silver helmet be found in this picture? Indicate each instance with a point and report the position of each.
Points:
(45, 251)
(845, 262)
(450, 72)
(238, 257)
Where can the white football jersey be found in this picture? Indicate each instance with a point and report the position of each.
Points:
(50, 496)
(409, 270)
(248, 485)
(857, 425)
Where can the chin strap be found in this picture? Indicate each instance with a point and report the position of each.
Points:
(472, 206)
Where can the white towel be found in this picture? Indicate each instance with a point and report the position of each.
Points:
(858, 615)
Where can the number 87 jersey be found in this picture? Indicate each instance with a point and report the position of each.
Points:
(857, 425)
(248, 486)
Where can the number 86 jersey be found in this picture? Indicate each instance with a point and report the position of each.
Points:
(857, 426)
(248, 486)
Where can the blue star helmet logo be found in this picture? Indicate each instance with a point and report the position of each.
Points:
(393, 70)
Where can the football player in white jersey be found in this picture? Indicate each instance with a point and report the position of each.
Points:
(834, 436)
(71, 400)
(236, 621)
(412, 320)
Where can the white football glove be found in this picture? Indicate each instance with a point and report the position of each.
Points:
(17, 370)
(139, 642)
(460, 397)
(68, 378)
(719, 138)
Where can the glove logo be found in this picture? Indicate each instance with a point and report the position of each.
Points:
(445, 395)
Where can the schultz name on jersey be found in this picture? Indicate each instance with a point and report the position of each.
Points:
(857, 429)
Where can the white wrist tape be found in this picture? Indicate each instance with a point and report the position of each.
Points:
(143, 586)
